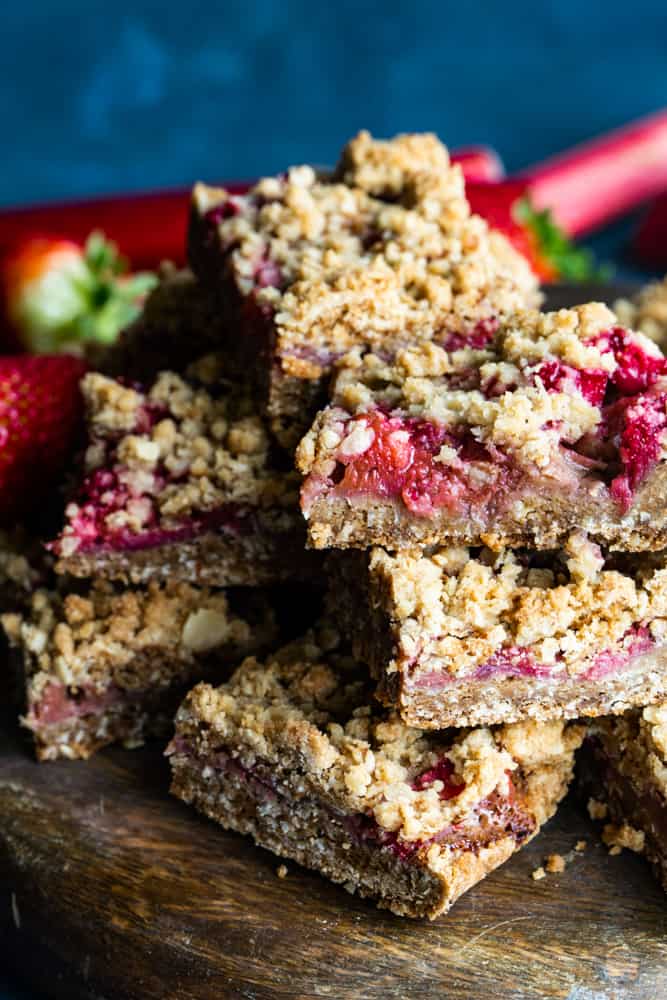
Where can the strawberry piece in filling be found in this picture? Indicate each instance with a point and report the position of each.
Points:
(518, 661)
(405, 460)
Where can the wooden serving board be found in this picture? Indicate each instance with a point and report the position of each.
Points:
(110, 889)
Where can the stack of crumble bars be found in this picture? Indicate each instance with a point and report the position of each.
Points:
(488, 481)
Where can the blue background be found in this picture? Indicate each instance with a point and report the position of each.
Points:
(111, 97)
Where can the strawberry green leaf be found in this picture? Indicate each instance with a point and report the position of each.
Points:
(570, 262)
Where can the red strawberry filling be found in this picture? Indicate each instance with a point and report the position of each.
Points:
(403, 461)
(429, 466)
(58, 703)
(493, 818)
(518, 661)
(103, 494)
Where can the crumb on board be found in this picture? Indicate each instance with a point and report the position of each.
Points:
(555, 863)
(281, 871)
(596, 810)
(580, 846)
(617, 836)
(538, 874)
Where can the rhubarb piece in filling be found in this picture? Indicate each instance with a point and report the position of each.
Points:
(459, 636)
(181, 483)
(102, 664)
(623, 774)
(558, 424)
(382, 253)
(295, 753)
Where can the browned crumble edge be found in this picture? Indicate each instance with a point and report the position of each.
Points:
(216, 454)
(383, 252)
(647, 312)
(180, 321)
(623, 775)
(448, 611)
(527, 423)
(294, 752)
(101, 665)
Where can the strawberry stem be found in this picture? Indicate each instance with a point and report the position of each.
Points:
(569, 262)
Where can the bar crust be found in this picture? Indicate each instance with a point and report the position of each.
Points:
(293, 752)
(469, 637)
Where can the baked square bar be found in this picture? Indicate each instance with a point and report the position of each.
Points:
(294, 752)
(623, 769)
(647, 312)
(468, 636)
(179, 323)
(105, 665)
(181, 484)
(558, 424)
(382, 253)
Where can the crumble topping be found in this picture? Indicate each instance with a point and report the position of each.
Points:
(563, 395)
(383, 252)
(463, 606)
(555, 864)
(647, 312)
(159, 456)
(80, 639)
(618, 836)
(637, 744)
(309, 699)
(597, 809)
(23, 565)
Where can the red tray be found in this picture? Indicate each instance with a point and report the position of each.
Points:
(148, 227)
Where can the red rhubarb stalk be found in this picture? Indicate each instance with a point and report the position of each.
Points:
(590, 185)
(479, 163)
(151, 227)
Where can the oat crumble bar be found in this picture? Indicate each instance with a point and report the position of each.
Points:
(647, 312)
(294, 752)
(180, 321)
(461, 637)
(102, 665)
(179, 483)
(383, 253)
(624, 766)
(558, 424)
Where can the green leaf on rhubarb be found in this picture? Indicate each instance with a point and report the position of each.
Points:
(570, 262)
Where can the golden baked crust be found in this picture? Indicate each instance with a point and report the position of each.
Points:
(293, 752)
(456, 636)
(132, 645)
(647, 312)
(558, 423)
(462, 606)
(383, 253)
(168, 457)
(308, 700)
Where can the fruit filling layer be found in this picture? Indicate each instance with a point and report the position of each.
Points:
(517, 662)
(560, 404)
(497, 816)
(58, 703)
(169, 463)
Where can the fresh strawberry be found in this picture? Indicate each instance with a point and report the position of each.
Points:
(40, 411)
(59, 296)
(506, 206)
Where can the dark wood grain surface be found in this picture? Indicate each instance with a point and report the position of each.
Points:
(110, 889)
